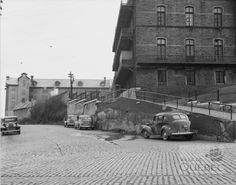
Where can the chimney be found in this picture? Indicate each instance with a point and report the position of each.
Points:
(104, 81)
(32, 80)
(8, 77)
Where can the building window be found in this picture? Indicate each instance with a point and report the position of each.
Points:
(220, 77)
(23, 100)
(80, 83)
(57, 83)
(161, 15)
(189, 15)
(218, 17)
(190, 76)
(162, 78)
(161, 48)
(189, 47)
(218, 44)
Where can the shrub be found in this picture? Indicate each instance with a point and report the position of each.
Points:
(52, 110)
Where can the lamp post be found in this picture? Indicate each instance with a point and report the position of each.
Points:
(71, 76)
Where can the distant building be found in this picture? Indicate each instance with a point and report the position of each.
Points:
(20, 91)
(176, 46)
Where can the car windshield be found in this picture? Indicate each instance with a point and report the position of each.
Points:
(179, 117)
(86, 118)
(9, 119)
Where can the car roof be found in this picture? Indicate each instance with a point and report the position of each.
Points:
(9, 117)
(168, 113)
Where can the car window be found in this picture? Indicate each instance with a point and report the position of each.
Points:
(165, 118)
(85, 118)
(10, 119)
(179, 116)
(160, 118)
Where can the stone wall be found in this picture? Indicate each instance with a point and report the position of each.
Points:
(128, 114)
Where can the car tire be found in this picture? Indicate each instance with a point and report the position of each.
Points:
(145, 134)
(18, 132)
(164, 135)
(189, 137)
(3, 134)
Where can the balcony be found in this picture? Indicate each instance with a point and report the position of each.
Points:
(119, 57)
(180, 59)
(125, 40)
(125, 14)
(124, 70)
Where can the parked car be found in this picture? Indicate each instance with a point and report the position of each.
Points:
(84, 121)
(70, 120)
(168, 124)
(9, 125)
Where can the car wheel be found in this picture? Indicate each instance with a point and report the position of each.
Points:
(2, 133)
(145, 134)
(165, 136)
(189, 137)
(18, 132)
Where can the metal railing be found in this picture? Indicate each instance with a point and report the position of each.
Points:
(182, 103)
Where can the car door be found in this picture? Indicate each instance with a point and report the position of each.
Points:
(153, 125)
(158, 124)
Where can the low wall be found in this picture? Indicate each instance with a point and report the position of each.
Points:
(128, 114)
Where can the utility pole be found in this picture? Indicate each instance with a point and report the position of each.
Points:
(71, 76)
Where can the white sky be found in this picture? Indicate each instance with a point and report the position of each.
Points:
(50, 38)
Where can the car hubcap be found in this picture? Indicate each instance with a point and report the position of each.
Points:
(165, 137)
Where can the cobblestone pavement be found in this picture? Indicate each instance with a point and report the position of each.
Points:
(55, 155)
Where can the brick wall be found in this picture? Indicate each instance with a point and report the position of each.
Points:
(175, 33)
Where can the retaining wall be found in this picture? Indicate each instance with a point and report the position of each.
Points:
(128, 114)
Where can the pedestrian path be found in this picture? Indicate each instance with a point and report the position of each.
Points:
(214, 113)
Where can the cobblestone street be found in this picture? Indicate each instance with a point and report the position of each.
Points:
(45, 154)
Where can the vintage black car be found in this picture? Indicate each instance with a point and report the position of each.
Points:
(167, 124)
(9, 125)
(84, 121)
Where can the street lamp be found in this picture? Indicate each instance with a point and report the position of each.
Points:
(71, 76)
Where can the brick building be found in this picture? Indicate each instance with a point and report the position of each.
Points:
(175, 47)
(20, 91)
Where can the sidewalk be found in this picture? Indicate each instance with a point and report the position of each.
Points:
(214, 113)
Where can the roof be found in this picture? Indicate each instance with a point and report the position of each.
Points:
(12, 81)
(23, 106)
(80, 83)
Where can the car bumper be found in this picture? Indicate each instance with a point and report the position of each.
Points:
(86, 126)
(9, 131)
(182, 133)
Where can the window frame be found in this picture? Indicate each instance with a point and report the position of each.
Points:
(189, 16)
(218, 49)
(161, 15)
(190, 77)
(189, 47)
(161, 48)
(218, 17)
(220, 79)
(162, 77)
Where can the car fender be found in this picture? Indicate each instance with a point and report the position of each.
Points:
(167, 128)
(147, 128)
